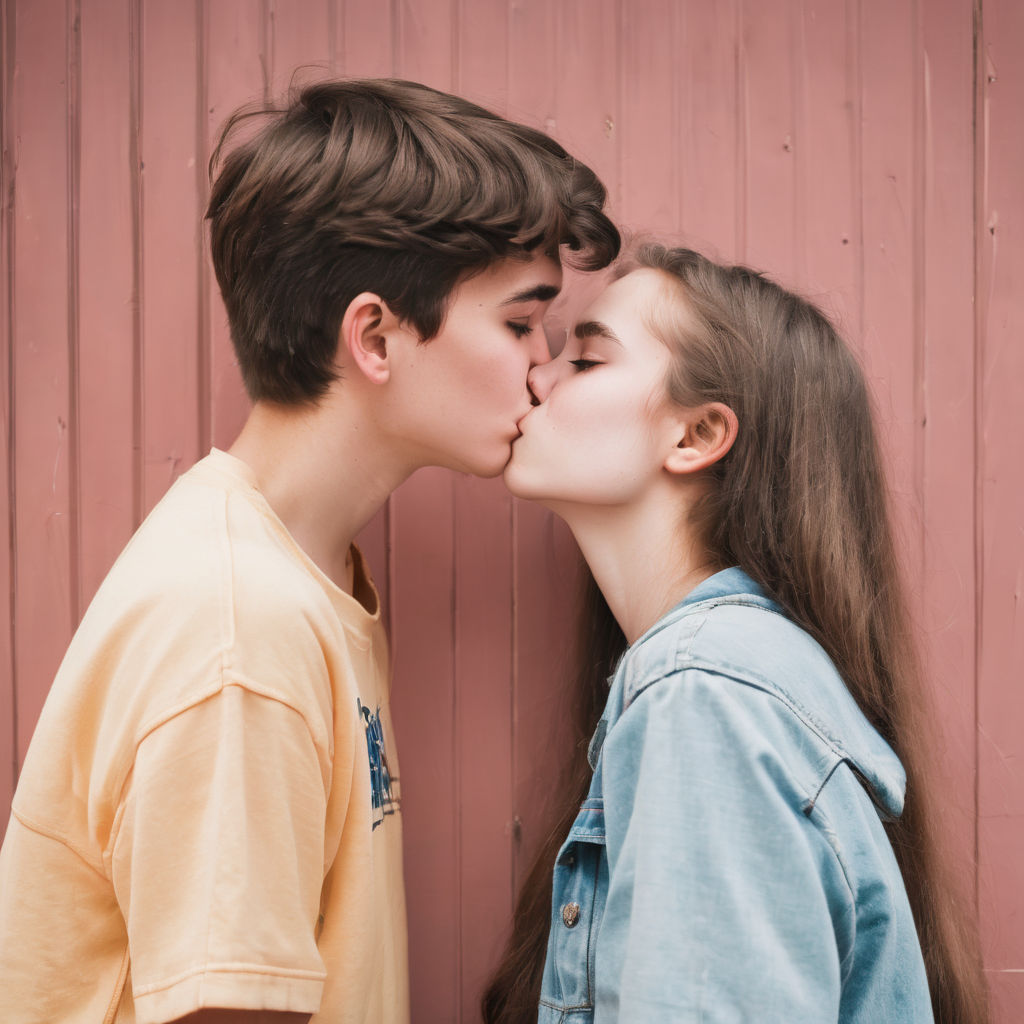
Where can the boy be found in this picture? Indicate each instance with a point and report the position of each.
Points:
(207, 825)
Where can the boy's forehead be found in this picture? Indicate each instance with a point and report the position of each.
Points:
(511, 280)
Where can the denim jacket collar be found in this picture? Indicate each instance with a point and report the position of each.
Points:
(840, 723)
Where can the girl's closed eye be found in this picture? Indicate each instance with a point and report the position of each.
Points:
(583, 364)
(520, 330)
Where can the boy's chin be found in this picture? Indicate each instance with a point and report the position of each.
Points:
(489, 470)
(485, 465)
(516, 478)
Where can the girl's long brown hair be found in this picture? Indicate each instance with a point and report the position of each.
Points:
(800, 504)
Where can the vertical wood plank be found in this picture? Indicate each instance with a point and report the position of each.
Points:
(300, 43)
(710, 145)
(890, 214)
(649, 125)
(44, 557)
(8, 755)
(424, 709)
(1007, 995)
(482, 53)
(546, 589)
(483, 677)
(236, 74)
(172, 260)
(532, 90)
(368, 42)
(1000, 481)
(425, 42)
(106, 292)
(946, 263)
(768, 67)
(587, 77)
(829, 244)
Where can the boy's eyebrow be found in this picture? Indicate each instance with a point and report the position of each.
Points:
(595, 329)
(538, 293)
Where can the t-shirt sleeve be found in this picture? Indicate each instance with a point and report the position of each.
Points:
(218, 860)
(718, 906)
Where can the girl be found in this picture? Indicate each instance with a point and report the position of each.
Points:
(749, 838)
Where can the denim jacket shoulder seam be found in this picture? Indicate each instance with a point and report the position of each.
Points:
(811, 788)
(706, 605)
(744, 678)
(694, 633)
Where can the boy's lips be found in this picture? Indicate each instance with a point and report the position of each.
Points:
(522, 419)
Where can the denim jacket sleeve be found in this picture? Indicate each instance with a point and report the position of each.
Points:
(726, 901)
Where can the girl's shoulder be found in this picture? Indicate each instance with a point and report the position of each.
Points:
(737, 655)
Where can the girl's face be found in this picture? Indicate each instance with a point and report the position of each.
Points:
(604, 424)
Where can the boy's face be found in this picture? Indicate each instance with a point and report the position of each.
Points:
(456, 399)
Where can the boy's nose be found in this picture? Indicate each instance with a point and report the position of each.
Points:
(539, 351)
(541, 379)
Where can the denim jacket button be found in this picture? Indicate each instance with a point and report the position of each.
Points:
(570, 914)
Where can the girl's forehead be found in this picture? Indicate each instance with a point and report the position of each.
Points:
(631, 297)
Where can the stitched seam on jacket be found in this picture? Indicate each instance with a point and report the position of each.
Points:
(734, 672)
(821, 822)
(751, 680)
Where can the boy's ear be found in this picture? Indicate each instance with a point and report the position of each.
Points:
(363, 339)
(706, 433)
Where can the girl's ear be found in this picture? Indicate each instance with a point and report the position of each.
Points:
(363, 339)
(707, 433)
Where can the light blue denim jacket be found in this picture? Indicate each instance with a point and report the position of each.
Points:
(729, 863)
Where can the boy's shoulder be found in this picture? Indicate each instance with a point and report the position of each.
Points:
(211, 539)
(210, 590)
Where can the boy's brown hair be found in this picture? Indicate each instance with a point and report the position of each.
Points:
(383, 186)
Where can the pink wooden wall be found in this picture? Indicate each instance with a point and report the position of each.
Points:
(870, 152)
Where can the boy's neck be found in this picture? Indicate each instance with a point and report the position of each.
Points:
(325, 472)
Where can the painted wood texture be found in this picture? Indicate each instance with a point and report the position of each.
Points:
(868, 152)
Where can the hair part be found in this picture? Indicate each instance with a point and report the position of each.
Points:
(800, 504)
(383, 186)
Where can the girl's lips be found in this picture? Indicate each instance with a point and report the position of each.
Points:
(522, 419)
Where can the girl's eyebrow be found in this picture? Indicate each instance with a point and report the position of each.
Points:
(595, 329)
(538, 293)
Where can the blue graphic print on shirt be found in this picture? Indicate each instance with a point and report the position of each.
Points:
(381, 795)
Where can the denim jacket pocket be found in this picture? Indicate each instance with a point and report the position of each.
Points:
(577, 905)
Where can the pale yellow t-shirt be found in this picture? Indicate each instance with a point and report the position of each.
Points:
(209, 813)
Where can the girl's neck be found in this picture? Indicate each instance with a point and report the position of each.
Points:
(644, 557)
